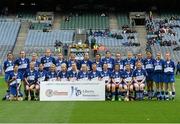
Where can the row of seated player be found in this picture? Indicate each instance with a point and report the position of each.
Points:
(126, 78)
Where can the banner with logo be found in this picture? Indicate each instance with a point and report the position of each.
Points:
(82, 90)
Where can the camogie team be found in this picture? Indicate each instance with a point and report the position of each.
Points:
(126, 79)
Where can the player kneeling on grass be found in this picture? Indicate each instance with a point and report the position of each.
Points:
(126, 86)
(14, 81)
(113, 85)
(105, 75)
(169, 78)
(31, 79)
(139, 77)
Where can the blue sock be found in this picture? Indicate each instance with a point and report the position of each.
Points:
(113, 94)
(137, 94)
(141, 94)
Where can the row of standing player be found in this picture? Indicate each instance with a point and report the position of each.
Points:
(156, 70)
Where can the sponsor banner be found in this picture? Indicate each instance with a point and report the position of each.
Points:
(82, 90)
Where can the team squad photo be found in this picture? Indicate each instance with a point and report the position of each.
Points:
(132, 78)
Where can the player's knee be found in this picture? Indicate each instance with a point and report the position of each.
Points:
(142, 87)
(27, 87)
(136, 86)
(37, 87)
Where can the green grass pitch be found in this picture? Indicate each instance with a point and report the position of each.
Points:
(91, 112)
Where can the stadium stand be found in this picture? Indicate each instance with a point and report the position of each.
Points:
(8, 34)
(39, 40)
(87, 21)
(122, 19)
(163, 35)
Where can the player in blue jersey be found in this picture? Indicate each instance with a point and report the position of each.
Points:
(169, 78)
(149, 66)
(48, 60)
(129, 60)
(14, 80)
(41, 73)
(119, 61)
(63, 74)
(22, 62)
(98, 62)
(94, 73)
(8, 68)
(105, 75)
(158, 76)
(72, 59)
(126, 86)
(139, 78)
(31, 80)
(35, 61)
(139, 58)
(52, 75)
(83, 74)
(86, 61)
(114, 83)
(73, 73)
(60, 60)
(108, 60)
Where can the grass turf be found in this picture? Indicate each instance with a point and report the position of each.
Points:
(91, 112)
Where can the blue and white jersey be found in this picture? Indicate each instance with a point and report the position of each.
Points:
(99, 65)
(63, 75)
(105, 74)
(8, 66)
(109, 62)
(51, 76)
(169, 67)
(140, 60)
(93, 74)
(127, 76)
(131, 62)
(59, 63)
(73, 74)
(139, 74)
(83, 75)
(69, 64)
(48, 61)
(36, 65)
(88, 64)
(41, 76)
(23, 64)
(149, 65)
(158, 66)
(116, 75)
(19, 78)
(31, 76)
(121, 64)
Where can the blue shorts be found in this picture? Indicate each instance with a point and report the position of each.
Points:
(122, 83)
(6, 77)
(13, 91)
(158, 77)
(169, 78)
(149, 77)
